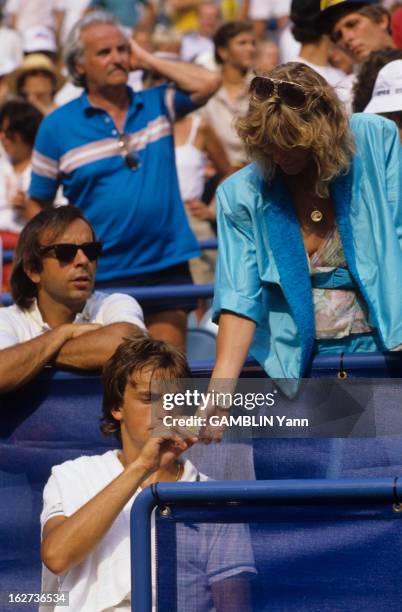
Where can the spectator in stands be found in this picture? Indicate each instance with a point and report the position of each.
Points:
(261, 11)
(235, 52)
(308, 205)
(37, 81)
(56, 318)
(364, 84)
(24, 15)
(387, 94)
(113, 151)
(11, 48)
(267, 56)
(19, 123)
(87, 502)
(199, 43)
(315, 46)
(359, 27)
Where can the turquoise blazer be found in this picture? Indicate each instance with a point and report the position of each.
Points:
(262, 271)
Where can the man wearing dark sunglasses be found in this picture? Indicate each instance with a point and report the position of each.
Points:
(113, 151)
(57, 318)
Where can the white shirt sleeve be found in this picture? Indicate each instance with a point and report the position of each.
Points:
(8, 336)
(52, 504)
(230, 552)
(119, 308)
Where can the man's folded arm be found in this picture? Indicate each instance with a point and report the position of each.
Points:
(23, 361)
(91, 350)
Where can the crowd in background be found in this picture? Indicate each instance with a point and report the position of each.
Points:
(232, 37)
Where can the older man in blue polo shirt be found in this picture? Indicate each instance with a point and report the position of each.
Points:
(112, 150)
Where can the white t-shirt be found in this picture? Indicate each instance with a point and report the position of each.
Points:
(31, 13)
(17, 325)
(267, 9)
(206, 553)
(333, 75)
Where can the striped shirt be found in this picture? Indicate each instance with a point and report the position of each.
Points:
(138, 214)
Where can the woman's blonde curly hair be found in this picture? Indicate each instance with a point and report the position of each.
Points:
(320, 126)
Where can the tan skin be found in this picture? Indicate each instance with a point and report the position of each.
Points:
(359, 36)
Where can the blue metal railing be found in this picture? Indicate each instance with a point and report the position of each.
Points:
(225, 493)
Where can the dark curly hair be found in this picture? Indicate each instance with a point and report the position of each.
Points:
(364, 85)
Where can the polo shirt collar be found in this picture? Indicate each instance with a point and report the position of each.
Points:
(81, 317)
(136, 101)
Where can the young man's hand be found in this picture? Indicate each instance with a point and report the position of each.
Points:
(161, 451)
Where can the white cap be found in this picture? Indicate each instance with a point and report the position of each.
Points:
(387, 92)
(39, 38)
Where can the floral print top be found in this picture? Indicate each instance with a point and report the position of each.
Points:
(338, 312)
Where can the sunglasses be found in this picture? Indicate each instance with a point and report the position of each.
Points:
(292, 94)
(65, 253)
(131, 158)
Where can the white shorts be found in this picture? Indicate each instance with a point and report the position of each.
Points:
(266, 9)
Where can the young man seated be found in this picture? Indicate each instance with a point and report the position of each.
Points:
(56, 317)
(87, 502)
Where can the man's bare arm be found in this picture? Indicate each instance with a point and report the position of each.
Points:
(33, 206)
(197, 81)
(91, 350)
(232, 594)
(20, 363)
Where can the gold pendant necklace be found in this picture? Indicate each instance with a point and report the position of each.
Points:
(316, 216)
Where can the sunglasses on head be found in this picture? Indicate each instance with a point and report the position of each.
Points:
(292, 94)
(131, 158)
(65, 253)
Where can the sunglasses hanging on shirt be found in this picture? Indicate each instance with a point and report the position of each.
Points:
(130, 157)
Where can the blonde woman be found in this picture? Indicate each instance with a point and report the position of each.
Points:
(306, 230)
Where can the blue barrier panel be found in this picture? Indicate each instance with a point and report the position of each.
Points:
(350, 502)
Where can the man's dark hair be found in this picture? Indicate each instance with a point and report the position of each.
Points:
(226, 32)
(364, 85)
(374, 12)
(35, 72)
(136, 354)
(305, 18)
(53, 221)
(23, 119)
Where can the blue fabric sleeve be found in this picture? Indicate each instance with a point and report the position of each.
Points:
(238, 286)
(183, 103)
(45, 162)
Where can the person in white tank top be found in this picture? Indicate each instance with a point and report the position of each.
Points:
(196, 143)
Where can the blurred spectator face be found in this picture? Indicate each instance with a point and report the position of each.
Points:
(240, 51)
(267, 56)
(106, 58)
(38, 89)
(208, 19)
(340, 59)
(359, 35)
(13, 143)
